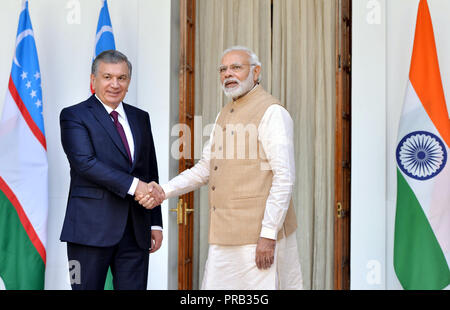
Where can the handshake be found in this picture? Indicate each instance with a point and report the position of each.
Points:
(149, 195)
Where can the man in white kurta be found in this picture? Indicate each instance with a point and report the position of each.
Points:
(268, 264)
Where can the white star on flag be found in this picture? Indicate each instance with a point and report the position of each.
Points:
(24, 75)
(28, 85)
(37, 75)
(33, 94)
(38, 103)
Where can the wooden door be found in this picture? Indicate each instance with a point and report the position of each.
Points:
(185, 206)
(343, 139)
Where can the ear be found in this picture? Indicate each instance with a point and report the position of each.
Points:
(93, 82)
(256, 73)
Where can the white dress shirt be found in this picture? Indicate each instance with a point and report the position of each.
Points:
(123, 120)
(275, 132)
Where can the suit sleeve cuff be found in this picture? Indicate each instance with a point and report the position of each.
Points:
(133, 187)
(268, 233)
(157, 228)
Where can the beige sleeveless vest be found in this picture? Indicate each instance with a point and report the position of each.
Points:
(240, 176)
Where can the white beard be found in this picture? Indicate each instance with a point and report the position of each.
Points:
(241, 89)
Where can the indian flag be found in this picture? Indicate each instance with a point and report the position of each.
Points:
(422, 223)
(23, 169)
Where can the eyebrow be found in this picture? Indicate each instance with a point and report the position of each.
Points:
(234, 63)
(108, 73)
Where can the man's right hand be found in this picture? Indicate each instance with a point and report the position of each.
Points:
(149, 195)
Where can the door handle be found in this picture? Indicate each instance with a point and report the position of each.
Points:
(179, 211)
(340, 211)
(186, 211)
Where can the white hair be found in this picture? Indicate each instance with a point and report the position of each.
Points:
(254, 60)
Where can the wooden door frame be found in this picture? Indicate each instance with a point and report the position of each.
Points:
(185, 205)
(342, 145)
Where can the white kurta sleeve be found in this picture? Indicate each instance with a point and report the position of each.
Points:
(190, 179)
(193, 178)
(276, 136)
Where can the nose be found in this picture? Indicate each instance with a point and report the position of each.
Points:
(115, 82)
(228, 73)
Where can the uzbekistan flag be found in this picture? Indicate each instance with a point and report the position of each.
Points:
(23, 169)
(104, 37)
(422, 223)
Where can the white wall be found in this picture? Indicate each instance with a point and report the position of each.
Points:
(381, 59)
(368, 145)
(153, 81)
(65, 48)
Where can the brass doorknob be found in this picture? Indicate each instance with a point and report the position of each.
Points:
(340, 210)
(186, 211)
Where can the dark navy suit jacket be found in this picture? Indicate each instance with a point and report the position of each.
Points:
(101, 175)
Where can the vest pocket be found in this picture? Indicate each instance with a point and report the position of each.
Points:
(246, 181)
(244, 217)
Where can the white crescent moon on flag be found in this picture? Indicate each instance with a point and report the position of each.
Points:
(101, 32)
(20, 37)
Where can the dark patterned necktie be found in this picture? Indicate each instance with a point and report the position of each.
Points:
(121, 132)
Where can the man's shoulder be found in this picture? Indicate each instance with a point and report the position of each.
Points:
(77, 110)
(81, 105)
(277, 113)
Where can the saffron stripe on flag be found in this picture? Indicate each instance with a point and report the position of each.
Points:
(425, 74)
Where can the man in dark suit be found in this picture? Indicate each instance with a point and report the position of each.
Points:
(110, 149)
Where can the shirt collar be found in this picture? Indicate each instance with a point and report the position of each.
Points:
(108, 109)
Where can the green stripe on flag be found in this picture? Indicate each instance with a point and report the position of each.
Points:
(109, 281)
(419, 261)
(21, 266)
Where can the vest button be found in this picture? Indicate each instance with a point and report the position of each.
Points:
(214, 208)
(213, 187)
(215, 168)
(232, 110)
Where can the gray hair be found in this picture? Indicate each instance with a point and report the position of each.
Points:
(110, 57)
(254, 60)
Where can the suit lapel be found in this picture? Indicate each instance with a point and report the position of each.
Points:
(104, 119)
(134, 126)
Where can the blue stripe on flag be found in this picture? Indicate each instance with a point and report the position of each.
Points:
(25, 71)
(104, 32)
